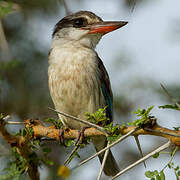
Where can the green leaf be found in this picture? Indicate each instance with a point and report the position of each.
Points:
(149, 174)
(48, 162)
(1, 116)
(170, 106)
(113, 138)
(169, 166)
(156, 173)
(30, 131)
(144, 117)
(177, 177)
(57, 123)
(176, 128)
(77, 154)
(99, 117)
(50, 120)
(158, 177)
(162, 175)
(178, 173)
(69, 142)
(156, 155)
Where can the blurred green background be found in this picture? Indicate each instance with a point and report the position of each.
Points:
(138, 58)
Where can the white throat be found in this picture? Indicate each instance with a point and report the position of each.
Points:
(76, 36)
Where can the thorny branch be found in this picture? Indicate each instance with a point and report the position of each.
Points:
(51, 132)
(39, 130)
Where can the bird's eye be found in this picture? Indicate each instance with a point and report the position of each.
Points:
(80, 22)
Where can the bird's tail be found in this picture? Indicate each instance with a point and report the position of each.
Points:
(110, 168)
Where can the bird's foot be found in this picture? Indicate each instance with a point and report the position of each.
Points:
(61, 136)
(81, 136)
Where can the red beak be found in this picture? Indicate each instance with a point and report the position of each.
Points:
(104, 27)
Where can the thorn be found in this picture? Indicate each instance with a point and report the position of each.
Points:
(139, 148)
(170, 96)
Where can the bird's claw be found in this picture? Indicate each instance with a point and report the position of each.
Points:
(80, 136)
(61, 136)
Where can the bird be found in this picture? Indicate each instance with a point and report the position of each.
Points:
(78, 80)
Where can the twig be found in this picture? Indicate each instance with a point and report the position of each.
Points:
(161, 132)
(103, 162)
(6, 118)
(170, 96)
(161, 148)
(134, 4)
(82, 121)
(172, 156)
(139, 147)
(108, 147)
(14, 122)
(67, 161)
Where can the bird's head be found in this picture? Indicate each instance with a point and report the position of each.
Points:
(85, 27)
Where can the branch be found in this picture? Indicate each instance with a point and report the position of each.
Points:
(170, 96)
(82, 121)
(39, 130)
(51, 132)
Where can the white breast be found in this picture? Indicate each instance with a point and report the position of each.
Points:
(74, 81)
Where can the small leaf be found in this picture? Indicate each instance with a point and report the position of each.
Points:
(162, 175)
(113, 138)
(177, 168)
(77, 154)
(50, 120)
(158, 177)
(177, 177)
(48, 162)
(69, 142)
(176, 128)
(156, 155)
(143, 117)
(170, 106)
(149, 174)
(156, 173)
(169, 166)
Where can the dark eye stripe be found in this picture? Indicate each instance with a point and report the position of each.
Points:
(79, 22)
(70, 22)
